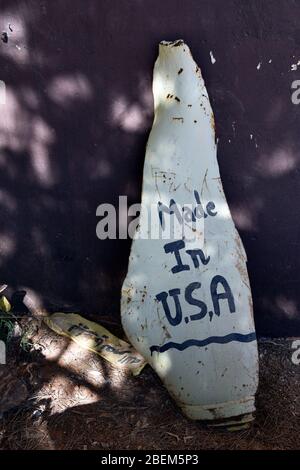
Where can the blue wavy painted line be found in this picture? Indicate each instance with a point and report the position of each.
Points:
(241, 338)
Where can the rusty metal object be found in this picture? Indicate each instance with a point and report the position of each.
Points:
(186, 301)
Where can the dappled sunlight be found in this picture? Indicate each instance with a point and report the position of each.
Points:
(17, 45)
(32, 299)
(30, 98)
(73, 130)
(145, 94)
(130, 117)
(42, 138)
(243, 217)
(86, 366)
(14, 23)
(181, 172)
(20, 131)
(73, 135)
(15, 123)
(7, 246)
(282, 306)
(64, 90)
(246, 216)
(75, 351)
(133, 116)
(287, 306)
(53, 347)
(117, 380)
(163, 364)
(67, 393)
(73, 375)
(279, 163)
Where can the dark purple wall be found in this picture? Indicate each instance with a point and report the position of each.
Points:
(78, 113)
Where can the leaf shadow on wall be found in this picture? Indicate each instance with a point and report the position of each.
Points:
(73, 134)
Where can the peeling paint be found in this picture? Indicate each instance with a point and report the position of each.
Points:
(191, 286)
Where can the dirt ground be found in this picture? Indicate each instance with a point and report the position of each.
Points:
(72, 399)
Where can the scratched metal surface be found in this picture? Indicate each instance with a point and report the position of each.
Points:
(186, 301)
(62, 155)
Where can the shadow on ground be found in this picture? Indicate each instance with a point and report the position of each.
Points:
(76, 400)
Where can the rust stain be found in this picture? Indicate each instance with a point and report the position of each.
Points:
(214, 412)
(178, 43)
(212, 122)
(167, 334)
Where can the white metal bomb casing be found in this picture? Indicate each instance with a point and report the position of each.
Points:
(186, 301)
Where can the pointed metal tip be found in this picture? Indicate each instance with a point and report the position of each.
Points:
(178, 42)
